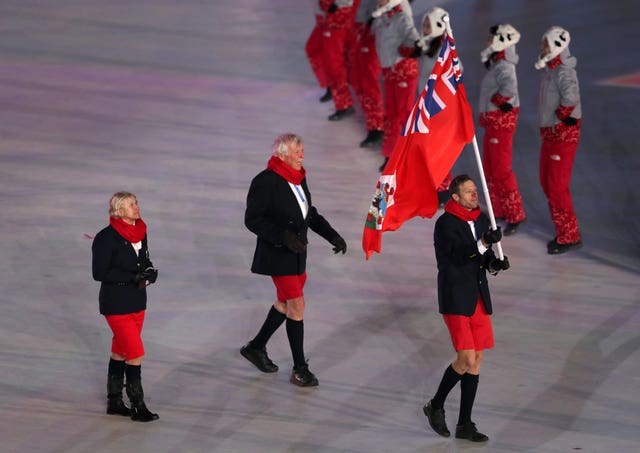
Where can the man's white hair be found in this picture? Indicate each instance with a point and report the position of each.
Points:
(281, 144)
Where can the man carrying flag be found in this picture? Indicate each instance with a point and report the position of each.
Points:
(462, 239)
(437, 129)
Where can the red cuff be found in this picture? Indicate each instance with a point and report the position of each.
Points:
(325, 4)
(498, 99)
(562, 112)
(405, 52)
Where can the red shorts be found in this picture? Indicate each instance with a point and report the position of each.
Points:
(471, 332)
(289, 286)
(127, 339)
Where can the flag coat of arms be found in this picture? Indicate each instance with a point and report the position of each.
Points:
(440, 124)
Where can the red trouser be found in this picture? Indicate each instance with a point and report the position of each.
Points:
(313, 48)
(364, 76)
(127, 330)
(501, 181)
(334, 61)
(399, 96)
(556, 163)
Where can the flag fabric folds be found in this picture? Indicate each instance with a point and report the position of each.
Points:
(440, 124)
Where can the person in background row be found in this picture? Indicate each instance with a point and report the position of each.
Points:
(499, 106)
(120, 261)
(279, 212)
(314, 51)
(433, 30)
(365, 73)
(396, 45)
(560, 114)
(462, 240)
(338, 19)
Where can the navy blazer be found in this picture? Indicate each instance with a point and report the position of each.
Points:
(462, 272)
(115, 264)
(272, 209)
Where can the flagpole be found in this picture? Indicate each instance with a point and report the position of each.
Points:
(485, 191)
(483, 181)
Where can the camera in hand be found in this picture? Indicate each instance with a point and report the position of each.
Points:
(146, 277)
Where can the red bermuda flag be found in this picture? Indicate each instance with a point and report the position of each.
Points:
(439, 126)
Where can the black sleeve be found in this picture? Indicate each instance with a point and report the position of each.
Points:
(102, 262)
(320, 225)
(256, 216)
(317, 222)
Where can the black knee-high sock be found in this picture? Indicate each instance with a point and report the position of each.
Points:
(295, 333)
(133, 372)
(468, 389)
(116, 368)
(449, 379)
(271, 323)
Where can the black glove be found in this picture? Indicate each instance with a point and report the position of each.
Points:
(150, 275)
(333, 8)
(498, 265)
(418, 49)
(570, 121)
(506, 107)
(339, 245)
(293, 242)
(492, 236)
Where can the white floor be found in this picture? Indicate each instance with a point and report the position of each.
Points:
(178, 101)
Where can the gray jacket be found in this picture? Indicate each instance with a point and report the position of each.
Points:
(500, 78)
(559, 86)
(426, 66)
(365, 9)
(393, 32)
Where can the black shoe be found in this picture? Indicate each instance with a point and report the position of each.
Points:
(326, 97)
(259, 358)
(372, 139)
(340, 114)
(512, 228)
(469, 431)
(302, 377)
(384, 164)
(115, 406)
(140, 413)
(553, 248)
(436, 420)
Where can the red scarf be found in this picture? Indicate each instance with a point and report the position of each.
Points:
(289, 173)
(498, 56)
(557, 61)
(464, 214)
(394, 11)
(132, 233)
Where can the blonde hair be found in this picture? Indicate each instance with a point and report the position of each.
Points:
(116, 202)
(280, 145)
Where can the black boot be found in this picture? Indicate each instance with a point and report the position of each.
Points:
(340, 114)
(373, 138)
(326, 97)
(443, 197)
(115, 405)
(384, 164)
(139, 411)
